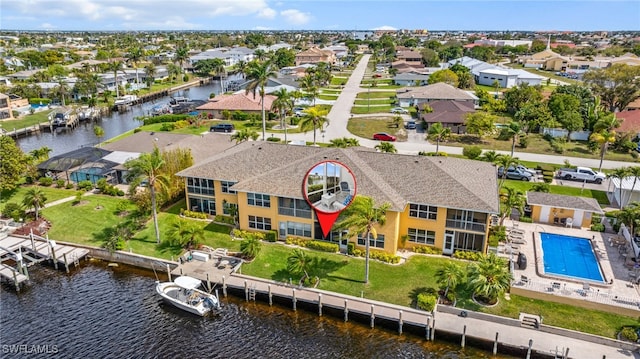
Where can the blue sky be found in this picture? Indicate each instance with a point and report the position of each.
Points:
(121, 15)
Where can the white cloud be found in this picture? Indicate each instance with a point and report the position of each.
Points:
(47, 26)
(295, 17)
(267, 13)
(261, 28)
(385, 27)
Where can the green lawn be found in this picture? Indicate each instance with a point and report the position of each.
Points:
(340, 81)
(365, 102)
(600, 196)
(376, 94)
(366, 127)
(26, 121)
(52, 193)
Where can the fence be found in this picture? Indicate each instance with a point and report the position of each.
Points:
(561, 132)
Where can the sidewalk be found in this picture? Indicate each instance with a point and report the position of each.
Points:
(67, 199)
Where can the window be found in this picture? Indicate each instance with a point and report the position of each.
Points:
(423, 211)
(226, 187)
(205, 205)
(295, 229)
(200, 186)
(258, 199)
(229, 209)
(468, 241)
(260, 223)
(422, 236)
(376, 243)
(294, 207)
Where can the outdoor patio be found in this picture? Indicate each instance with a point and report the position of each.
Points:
(621, 288)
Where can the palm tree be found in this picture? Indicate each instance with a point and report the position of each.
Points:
(344, 142)
(283, 104)
(250, 247)
(489, 156)
(185, 233)
(387, 147)
(182, 53)
(135, 55)
(489, 277)
(241, 67)
(448, 276)
(635, 173)
(41, 154)
(438, 133)
(259, 74)
(174, 71)
(511, 198)
(360, 218)
(603, 138)
(630, 216)
(299, 262)
(147, 168)
(397, 121)
(244, 134)
(61, 90)
(116, 66)
(308, 84)
(313, 117)
(505, 161)
(35, 198)
(514, 130)
(619, 173)
(150, 74)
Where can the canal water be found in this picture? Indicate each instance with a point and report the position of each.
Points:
(113, 312)
(114, 124)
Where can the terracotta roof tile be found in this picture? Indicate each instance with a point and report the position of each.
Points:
(240, 102)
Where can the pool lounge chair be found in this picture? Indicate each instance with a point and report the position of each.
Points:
(518, 240)
(515, 231)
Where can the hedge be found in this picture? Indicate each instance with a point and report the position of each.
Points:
(271, 236)
(427, 250)
(426, 301)
(379, 255)
(247, 234)
(193, 214)
(224, 219)
(38, 101)
(164, 118)
(323, 246)
(468, 255)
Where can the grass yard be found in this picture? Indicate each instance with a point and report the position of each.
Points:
(52, 193)
(365, 102)
(376, 94)
(328, 97)
(600, 196)
(366, 127)
(340, 81)
(26, 121)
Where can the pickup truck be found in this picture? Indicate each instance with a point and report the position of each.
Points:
(581, 174)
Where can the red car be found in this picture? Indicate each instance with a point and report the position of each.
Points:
(383, 136)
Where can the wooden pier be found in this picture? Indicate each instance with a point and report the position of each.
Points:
(19, 252)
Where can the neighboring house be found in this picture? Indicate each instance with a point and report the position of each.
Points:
(630, 193)
(561, 209)
(275, 47)
(403, 66)
(411, 79)
(410, 56)
(315, 55)
(448, 204)
(17, 102)
(230, 56)
(438, 91)
(630, 122)
(449, 113)
(5, 107)
(23, 75)
(237, 102)
(93, 65)
(485, 73)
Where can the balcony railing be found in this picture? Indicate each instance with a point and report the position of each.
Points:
(469, 226)
(300, 213)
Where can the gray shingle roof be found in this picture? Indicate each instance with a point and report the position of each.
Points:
(437, 91)
(279, 170)
(563, 201)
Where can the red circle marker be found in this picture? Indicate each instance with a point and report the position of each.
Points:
(329, 187)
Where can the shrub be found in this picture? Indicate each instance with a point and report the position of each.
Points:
(193, 214)
(432, 154)
(427, 250)
(472, 152)
(426, 301)
(546, 168)
(69, 185)
(137, 129)
(468, 255)
(164, 118)
(271, 236)
(297, 241)
(122, 206)
(557, 146)
(39, 100)
(224, 219)
(323, 246)
(247, 234)
(13, 211)
(597, 227)
(612, 214)
(379, 255)
(350, 247)
(45, 181)
(273, 139)
(60, 183)
(629, 333)
(167, 127)
(524, 141)
(547, 179)
(525, 219)
(85, 185)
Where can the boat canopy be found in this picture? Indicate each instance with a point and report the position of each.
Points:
(187, 282)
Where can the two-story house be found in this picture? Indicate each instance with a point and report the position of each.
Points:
(446, 203)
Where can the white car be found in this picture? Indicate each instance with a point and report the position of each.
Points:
(399, 110)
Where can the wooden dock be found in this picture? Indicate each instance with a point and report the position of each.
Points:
(19, 252)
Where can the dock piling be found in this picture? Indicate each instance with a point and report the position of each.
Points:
(53, 254)
(66, 264)
(346, 310)
(566, 353)
(208, 283)
(270, 295)
(169, 272)
(495, 345)
(224, 286)
(427, 335)
(246, 291)
(433, 329)
(319, 304)
(464, 333)
(15, 281)
(529, 350)
(400, 322)
(294, 299)
(373, 316)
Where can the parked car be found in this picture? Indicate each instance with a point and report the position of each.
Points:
(383, 136)
(515, 173)
(525, 169)
(298, 111)
(410, 125)
(399, 110)
(581, 174)
(222, 127)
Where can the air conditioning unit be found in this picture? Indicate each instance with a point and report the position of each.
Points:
(495, 220)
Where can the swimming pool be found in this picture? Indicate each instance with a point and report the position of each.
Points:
(570, 257)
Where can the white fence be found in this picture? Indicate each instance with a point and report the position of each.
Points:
(561, 132)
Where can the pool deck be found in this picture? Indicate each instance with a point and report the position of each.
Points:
(620, 289)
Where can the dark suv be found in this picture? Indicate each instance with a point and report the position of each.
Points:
(222, 127)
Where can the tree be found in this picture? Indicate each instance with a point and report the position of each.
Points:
(299, 262)
(283, 104)
(387, 147)
(479, 123)
(244, 134)
(489, 277)
(533, 115)
(361, 218)
(115, 66)
(150, 74)
(184, 233)
(181, 55)
(489, 156)
(603, 138)
(618, 85)
(511, 198)
(430, 58)
(514, 130)
(630, 216)
(134, 56)
(35, 198)
(448, 276)
(61, 90)
(635, 173)
(619, 173)
(517, 96)
(174, 71)
(12, 164)
(250, 247)
(146, 168)
(98, 131)
(438, 133)
(344, 142)
(259, 74)
(447, 76)
(40, 154)
(313, 117)
(505, 161)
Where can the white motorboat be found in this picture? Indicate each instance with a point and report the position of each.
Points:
(125, 100)
(183, 293)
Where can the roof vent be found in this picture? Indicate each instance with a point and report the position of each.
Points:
(416, 161)
(260, 147)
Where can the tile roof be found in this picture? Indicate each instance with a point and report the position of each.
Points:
(239, 101)
(447, 111)
(279, 169)
(437, 91)
(144, 141)
(630, 121)
(563, 201)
